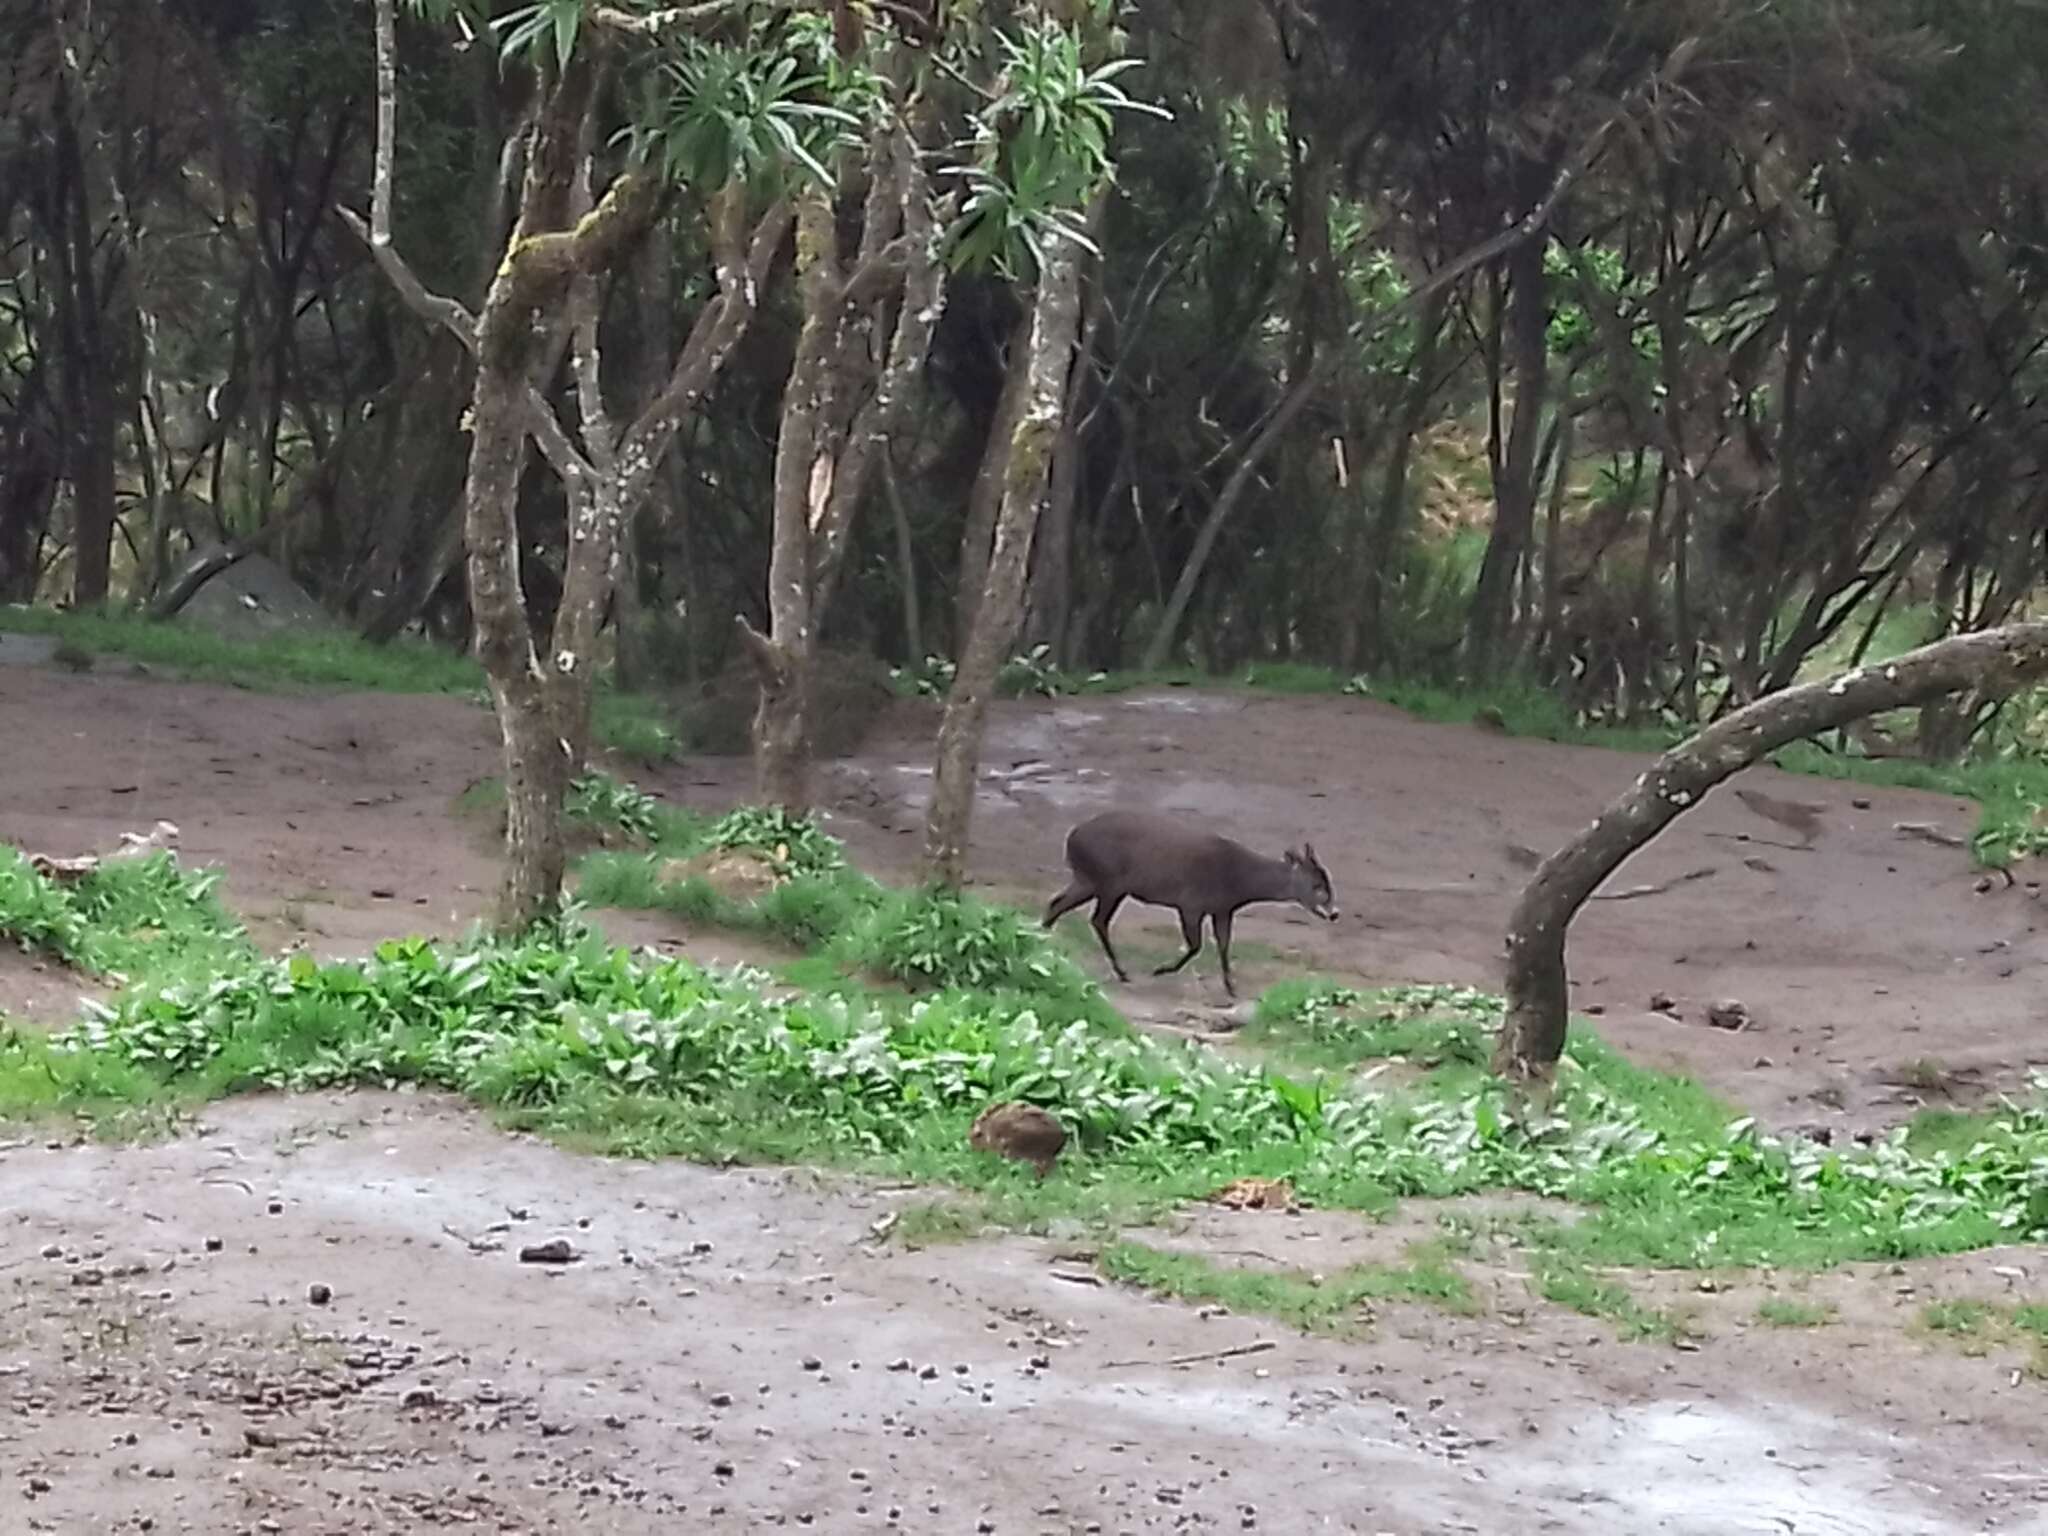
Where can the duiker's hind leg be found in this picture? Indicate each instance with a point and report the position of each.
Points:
(1105, 909)
(1221, 923)
(1191, 932)
(1077, 891)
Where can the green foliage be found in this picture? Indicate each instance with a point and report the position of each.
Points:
(795, 845)
(292, 659)
(599, 800)
(126, 916)
(1572, 1285)
(1787, 1312)
(743, 112)
(1334, 1304)
(1039, 149)
(648, 1056)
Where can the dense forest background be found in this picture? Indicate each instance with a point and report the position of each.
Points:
(1648, 351)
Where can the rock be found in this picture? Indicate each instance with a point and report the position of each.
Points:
(253, 597)
(554, 1251)
(1860, 802)
(319, 1294)
(1729, 1013)
(1662, 1002)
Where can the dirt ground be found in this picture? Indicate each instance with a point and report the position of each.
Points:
(720, 1356)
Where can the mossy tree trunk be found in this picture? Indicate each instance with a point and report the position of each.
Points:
(562, 241)
(1027, 453)
(846, 397)
(1990, 662)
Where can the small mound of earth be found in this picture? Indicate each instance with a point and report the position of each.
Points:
(737, 874)
(849, 694)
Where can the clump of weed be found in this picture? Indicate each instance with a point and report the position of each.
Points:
(1788, 1312)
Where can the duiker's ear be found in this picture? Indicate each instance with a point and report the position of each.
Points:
(1290, 856)
(1308, 851)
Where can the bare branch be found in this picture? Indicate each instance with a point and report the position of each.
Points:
(720, 324)
(675, 18)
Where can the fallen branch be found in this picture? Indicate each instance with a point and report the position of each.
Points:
(1927, 832)
(1632, 892)
(1256, 1347)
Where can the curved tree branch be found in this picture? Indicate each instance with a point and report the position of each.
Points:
(1991, 662)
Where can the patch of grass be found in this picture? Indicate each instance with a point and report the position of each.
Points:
(933, 1223)
(643, 1057)
(924, 940)
(292, 659)
(633, 725)
(610, 805)
(1338, 1303)
(1967, 1319)
(1786, 1312)
(1323, 1025)
(128, 916)
(1947, 1132)
(1572, 1285)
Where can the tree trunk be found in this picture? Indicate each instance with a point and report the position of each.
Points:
(906, 562)
(1393, 507)
(1044, 361)
(984, 500)
(1989, 662)
(1299, 392)
(1514, 496)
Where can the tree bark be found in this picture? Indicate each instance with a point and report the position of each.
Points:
(1045, 361)
(833, 430)
(1300, 391)
(1989, 662)
(1515, 491)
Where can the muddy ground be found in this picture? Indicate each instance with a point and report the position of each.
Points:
(162, 1365)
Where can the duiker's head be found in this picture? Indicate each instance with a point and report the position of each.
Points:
(1312, 882)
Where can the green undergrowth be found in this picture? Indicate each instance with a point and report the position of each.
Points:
(647, 1056)
(128, 917)
(924, 940)
(1790, 1312)
(1569, 1283)
(1337, 1303)
(633, 725)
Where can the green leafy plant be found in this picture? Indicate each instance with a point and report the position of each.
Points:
(794, 845)
(600, 800)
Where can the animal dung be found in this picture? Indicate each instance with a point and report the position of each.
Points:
(1023, 1133)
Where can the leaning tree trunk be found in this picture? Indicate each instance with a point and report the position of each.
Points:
(1990, 662)
(1055, 319)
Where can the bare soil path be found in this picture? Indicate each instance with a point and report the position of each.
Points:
(163, 1366)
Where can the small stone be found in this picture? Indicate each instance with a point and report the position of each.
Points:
(1860, 802)
(1729, 1013)
(319, 1294)
(53, 1251)
(555, 1251)
(277, 1207)
(813, 1363)
(1662, 1002)
(214, 1245)
(721, 1399)
(721, 1469)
